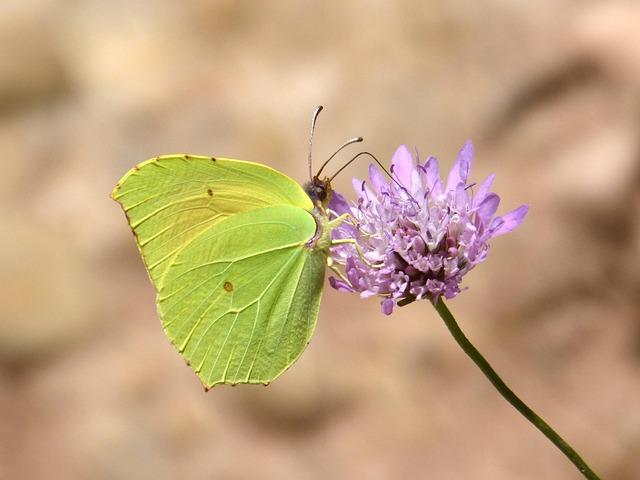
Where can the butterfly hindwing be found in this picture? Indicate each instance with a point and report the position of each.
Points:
(170, 200)
(240, 301)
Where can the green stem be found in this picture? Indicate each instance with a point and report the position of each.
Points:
(508, 394)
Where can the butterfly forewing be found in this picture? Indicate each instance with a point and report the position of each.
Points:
(170, 200)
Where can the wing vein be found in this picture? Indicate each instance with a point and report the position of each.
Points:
(288, 315)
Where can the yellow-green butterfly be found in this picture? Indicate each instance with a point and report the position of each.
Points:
(237, 253)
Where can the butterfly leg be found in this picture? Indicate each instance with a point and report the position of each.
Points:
(337, 272)
(336, 222)
(343, 241)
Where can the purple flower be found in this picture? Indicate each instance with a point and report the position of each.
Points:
(414, 236)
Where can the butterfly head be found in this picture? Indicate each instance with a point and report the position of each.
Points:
(319, 191)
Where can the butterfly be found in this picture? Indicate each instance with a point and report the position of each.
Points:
(237, 253)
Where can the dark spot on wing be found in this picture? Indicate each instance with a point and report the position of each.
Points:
(228, 286)
(209, 192)
(213, 158)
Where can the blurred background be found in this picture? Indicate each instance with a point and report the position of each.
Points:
(548, 90)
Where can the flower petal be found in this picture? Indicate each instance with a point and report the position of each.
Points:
(461, 198)
(432, 170)
(363, 190)
(340, 285)
(483, 191)
(339, 204)
(402, 165)
(460, 171)
(377, 179)
(436, 189)
(387, 306)
(416, 182)
(511, 220)
(488, 207)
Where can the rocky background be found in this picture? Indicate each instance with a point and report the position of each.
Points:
(548, 90)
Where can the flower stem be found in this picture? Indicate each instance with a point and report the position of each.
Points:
(508, 394)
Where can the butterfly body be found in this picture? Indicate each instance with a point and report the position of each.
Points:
(237, 253)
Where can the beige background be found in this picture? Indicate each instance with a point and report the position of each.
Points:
(549, 91)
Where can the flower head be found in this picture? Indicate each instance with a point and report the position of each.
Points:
(414, 236)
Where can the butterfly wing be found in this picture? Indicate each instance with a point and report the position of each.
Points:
(170, 200)
(240, 301)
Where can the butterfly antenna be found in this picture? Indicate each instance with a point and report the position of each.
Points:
(379, 164)
(314, 118)
(345, 144)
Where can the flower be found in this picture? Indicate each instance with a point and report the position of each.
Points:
(413, 236)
